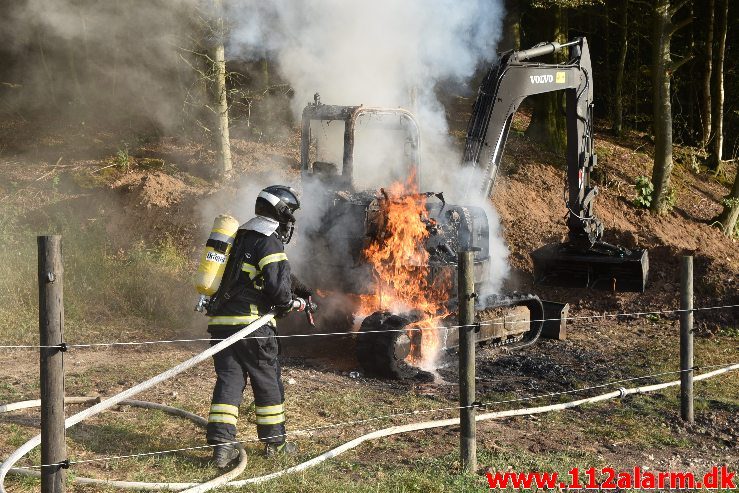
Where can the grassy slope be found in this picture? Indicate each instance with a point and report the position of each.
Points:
(129, 280)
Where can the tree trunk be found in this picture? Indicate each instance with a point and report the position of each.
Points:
(708, 54)
(265, 73)
(730, 214)
(548, 125)
(609, 88)
(71, 49)
(635, 79)
(618, 106)
(511, 39)
(116, 56)
(50, 84)
(223, 143)
(662, 110)
(715, 156)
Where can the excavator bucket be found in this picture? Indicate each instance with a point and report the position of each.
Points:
(619, 270)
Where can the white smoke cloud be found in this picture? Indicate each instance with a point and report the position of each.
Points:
(377, 53)
(386, 53)
(368, 52)
(94, 61)
(125, 57)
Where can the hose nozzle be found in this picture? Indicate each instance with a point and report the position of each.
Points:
(201, 304)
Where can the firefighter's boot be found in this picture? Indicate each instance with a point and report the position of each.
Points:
(284, 448)
(224, 454)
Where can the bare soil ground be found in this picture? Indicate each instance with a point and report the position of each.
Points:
(159, 190)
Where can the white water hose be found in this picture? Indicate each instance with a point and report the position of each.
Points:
(394, 430)
(112, 401)
(236, 471)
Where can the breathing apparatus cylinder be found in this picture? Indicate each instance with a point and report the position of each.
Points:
(215, 256)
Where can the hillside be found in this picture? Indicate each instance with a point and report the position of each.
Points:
(530, 201)
(133, 213)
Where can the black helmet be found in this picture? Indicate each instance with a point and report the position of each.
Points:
(279, 202)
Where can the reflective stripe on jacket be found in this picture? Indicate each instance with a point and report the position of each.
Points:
(263, 281)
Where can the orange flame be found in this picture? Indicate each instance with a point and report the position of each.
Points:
(401, 268)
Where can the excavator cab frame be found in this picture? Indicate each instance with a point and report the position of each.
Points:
(584, 260)
(350, 115)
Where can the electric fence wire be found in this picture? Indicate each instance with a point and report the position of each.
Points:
(602, 316)
(416, 412)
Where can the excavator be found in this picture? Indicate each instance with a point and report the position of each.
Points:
(584, 260)
(353, 216)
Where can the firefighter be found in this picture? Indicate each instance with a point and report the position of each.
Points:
(257, 279)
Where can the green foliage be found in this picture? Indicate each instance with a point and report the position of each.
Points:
(670, 199)
(144, 286)
(123, 158)
(689, 157)
(730, 332)
(644, 191)
(730, 202)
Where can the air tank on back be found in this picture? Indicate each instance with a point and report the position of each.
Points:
(215, 256)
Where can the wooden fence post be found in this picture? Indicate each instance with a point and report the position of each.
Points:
(686, 339)
(51, 329)
(468, 431)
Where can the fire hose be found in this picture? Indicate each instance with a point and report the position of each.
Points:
(225, 480)
(126, 394)
(198, 420)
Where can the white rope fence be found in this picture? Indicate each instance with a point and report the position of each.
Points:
(394, 430)
(81, 400)
(309, 431)
(405, 329)
(125, 396)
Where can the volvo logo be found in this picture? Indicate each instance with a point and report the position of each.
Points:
(541, 79)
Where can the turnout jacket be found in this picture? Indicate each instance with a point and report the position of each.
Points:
(257, 277)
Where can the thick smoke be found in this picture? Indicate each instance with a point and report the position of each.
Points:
(380, 53)
(95, 62)
(384, 53)
(92, 61)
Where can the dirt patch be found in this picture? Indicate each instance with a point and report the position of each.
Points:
(152, 190)
(529, 196)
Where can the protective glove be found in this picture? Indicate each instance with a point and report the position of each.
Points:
(307, 306)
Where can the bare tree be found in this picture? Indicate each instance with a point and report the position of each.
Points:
(717, 143)
(511, 36)
(708, 54)
(220, 100)
(663, 67)
(618, 105)
(548, 125)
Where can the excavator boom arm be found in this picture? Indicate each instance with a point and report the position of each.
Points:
(506, 85)
(584, 260)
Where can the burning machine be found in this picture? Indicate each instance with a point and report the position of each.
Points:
(392, 252)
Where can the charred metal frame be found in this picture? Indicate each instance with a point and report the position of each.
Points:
(318, 111)
(382, 347)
